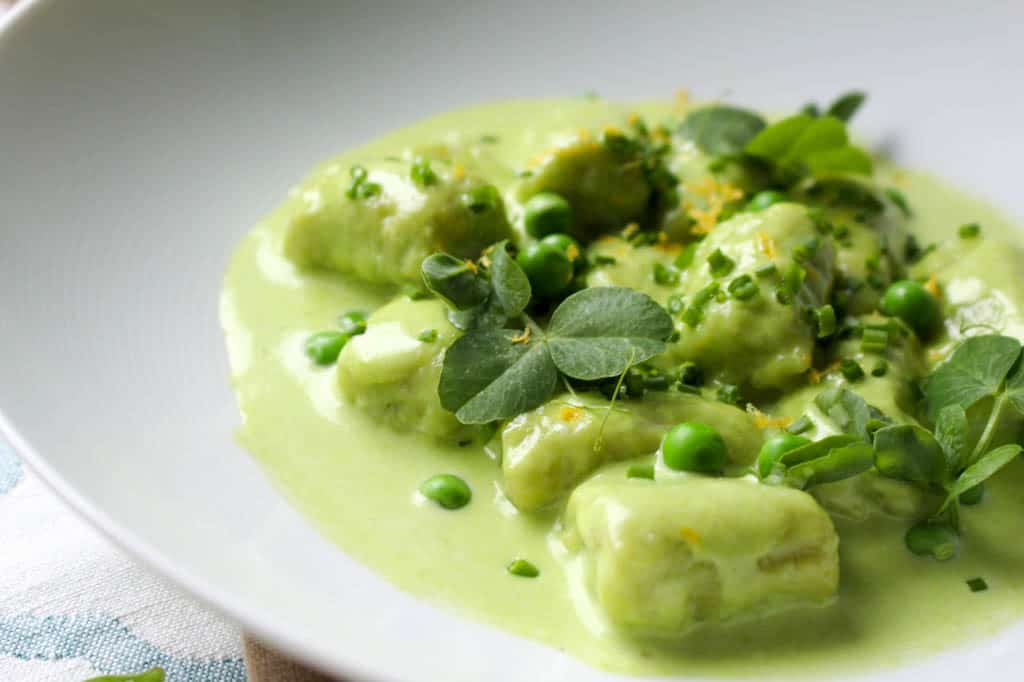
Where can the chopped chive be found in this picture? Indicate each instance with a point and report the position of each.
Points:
(414, 292)
(640, 471)
(525, 173)
(969, 231)
(686, 388)
(427, 336)
(685, 257)
(368, 189)
(873, 262)
(693, 315)
(656, 382)
(675, 304)
(720, 264)
(766, 271)
(604, 260)
(851, 370)
(897, 197)
(707, 294)
(743, 288)
(523, 569)
(880, 369)
(489, 138)
(422, 174)
(826, 319)
(874, 340)
(842, 232)
(800, 425)
(665, 276)
(977, 584)
(673, 337)
(729, 394)
(876, 281)
(806, 251)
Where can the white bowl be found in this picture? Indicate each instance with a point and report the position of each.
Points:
(140, 141)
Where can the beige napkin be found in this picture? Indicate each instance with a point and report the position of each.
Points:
(266, 665)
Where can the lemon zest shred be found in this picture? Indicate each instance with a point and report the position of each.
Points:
(570, 413)
(522, 337)
(690, 535)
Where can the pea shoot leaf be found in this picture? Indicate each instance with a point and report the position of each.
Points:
(598, 332)
(819, 145)
(976, 370)
(981, 470)
(721, 130)
(818, 448)
(951, 432)
(846, 105)
(509, 284)
(848, 411)
(454, 280)
(837, 464)
(491, 374)
(910, 453)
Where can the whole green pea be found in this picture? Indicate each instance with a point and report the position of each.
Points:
(912, 303)
(547, 267)
(694, 446)
(932, 539)
(547, 213)
(775, 447)
(323, 348)
(447, 490)
(764, 199)
(564, 243)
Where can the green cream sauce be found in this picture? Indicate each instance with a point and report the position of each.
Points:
(357, 480)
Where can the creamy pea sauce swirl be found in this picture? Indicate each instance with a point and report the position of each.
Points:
(749, 475)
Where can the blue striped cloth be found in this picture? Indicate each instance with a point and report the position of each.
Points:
(73, 607)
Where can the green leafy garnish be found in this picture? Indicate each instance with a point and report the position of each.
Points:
(494, 373)
(152, 675)
(977, 369)
(721, 130)
(455, 281)
(846, 105)
(801, 144)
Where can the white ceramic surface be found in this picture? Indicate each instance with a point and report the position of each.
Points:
(140, 140)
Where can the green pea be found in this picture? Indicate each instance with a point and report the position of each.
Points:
(973, 496)
(694, 446)
(353, 322)
(764, 199)
(523, 569)
(447, 490)
(932, 539)
(564, 243)
(911, 302)
(323, 348)
(776, 447)
(548, 269)
(547, 213)
(482, 199)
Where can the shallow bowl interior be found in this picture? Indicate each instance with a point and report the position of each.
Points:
(140, 140)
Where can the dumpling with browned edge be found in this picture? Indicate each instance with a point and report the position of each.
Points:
(664, 557)
(548, 451)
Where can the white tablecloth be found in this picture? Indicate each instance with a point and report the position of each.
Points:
(73, 607)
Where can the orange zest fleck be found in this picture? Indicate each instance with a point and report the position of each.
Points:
(767, 244)
(569, 414)
(715, 196)
(458, 171)
(690, 535)
(633, 119)
(933, 286)
(522, 337)
(681, 100)
(472, 266)
(629, 230)
(573, 252)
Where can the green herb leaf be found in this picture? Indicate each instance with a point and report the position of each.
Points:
(839, 463)
(975, 370)
(846, 105)
(1015, 386)
(454, 281)
(511, 288)
(951, 433)
(823, 134)
(721, 130)
(594, 333)
(848, 411)
(152, 675)
(772, 142)
(981, 470)
(488, 375)
(910, 453)
(817, 449)
(846, 159)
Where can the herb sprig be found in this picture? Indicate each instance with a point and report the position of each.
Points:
(497, 372)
